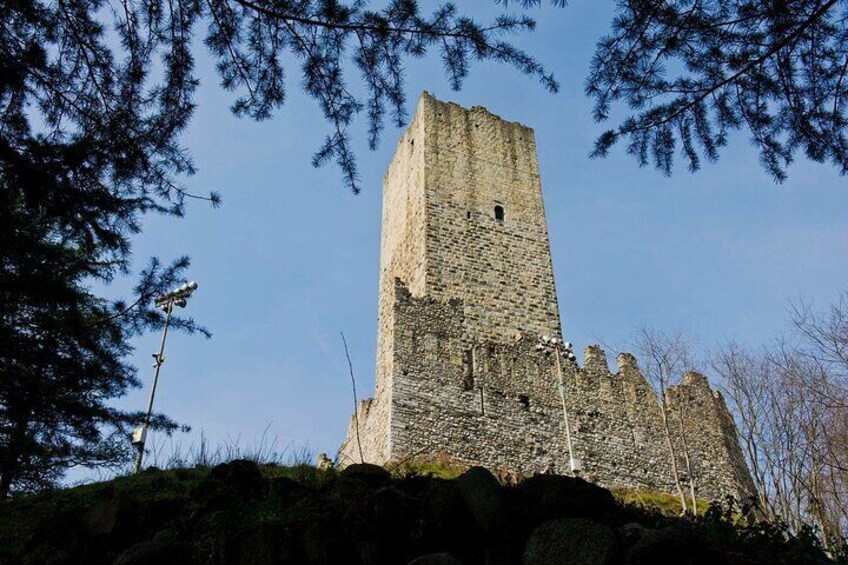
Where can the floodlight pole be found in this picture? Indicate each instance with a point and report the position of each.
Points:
(571, 462)
(559, 348)
(166, 302)
(159, 359)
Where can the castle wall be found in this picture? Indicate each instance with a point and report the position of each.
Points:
(711, 436)
(402, 256)
(464, 298)
(505, 413)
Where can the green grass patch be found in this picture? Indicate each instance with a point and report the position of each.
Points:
(308, 475)
(439, 467)
(667, 504)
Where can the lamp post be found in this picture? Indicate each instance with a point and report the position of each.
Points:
(559, 349)
(166, 302)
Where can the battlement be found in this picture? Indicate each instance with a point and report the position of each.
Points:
(466, 291)
(497, 404)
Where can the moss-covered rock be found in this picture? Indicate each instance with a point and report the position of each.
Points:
(244, 514)
(571, 540)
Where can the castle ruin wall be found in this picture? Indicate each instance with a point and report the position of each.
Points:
(466, 291)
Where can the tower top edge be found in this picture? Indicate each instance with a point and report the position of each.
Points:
(428, 118)
(427, 98)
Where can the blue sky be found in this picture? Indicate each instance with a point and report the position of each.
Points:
(291, 258)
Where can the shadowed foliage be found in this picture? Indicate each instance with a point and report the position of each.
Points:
(238, 512)
(93, 98)
(693, 71)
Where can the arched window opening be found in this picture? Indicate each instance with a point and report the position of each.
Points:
(499, 213)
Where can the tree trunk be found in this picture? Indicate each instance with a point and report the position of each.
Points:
(10, 461)
(688, 463)
(673, 455)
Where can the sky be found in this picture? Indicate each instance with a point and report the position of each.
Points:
(292, 257)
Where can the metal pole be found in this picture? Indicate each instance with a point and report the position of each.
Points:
(160, 358)
(564, 410)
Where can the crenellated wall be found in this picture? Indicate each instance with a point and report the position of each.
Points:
(497, 405)
(466, 290)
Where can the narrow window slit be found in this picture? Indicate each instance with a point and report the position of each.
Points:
(468, 381)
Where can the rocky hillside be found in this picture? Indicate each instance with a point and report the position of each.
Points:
(239, 513)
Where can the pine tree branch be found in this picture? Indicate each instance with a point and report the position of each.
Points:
(776, 47)
(360, 27)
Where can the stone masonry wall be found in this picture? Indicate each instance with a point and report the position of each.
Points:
(503, 410)
(465, 296)
(501, 269)
(402, 255)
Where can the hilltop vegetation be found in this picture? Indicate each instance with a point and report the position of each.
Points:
(242, 513)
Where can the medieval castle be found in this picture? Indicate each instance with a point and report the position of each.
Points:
(466, 292)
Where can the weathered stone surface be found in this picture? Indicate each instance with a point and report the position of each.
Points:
(371, 474)
(239, 471)
(239, 479)
(669, 546)
(571, 540)
(436, 559)
(446, 518)
(483, 495)
(323, 462)
(632, 532)
(465, 295)
(547, 497)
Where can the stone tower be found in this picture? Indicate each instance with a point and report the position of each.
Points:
(463, 219)
(466, 291)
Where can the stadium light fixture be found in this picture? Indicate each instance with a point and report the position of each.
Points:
(177, 297)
